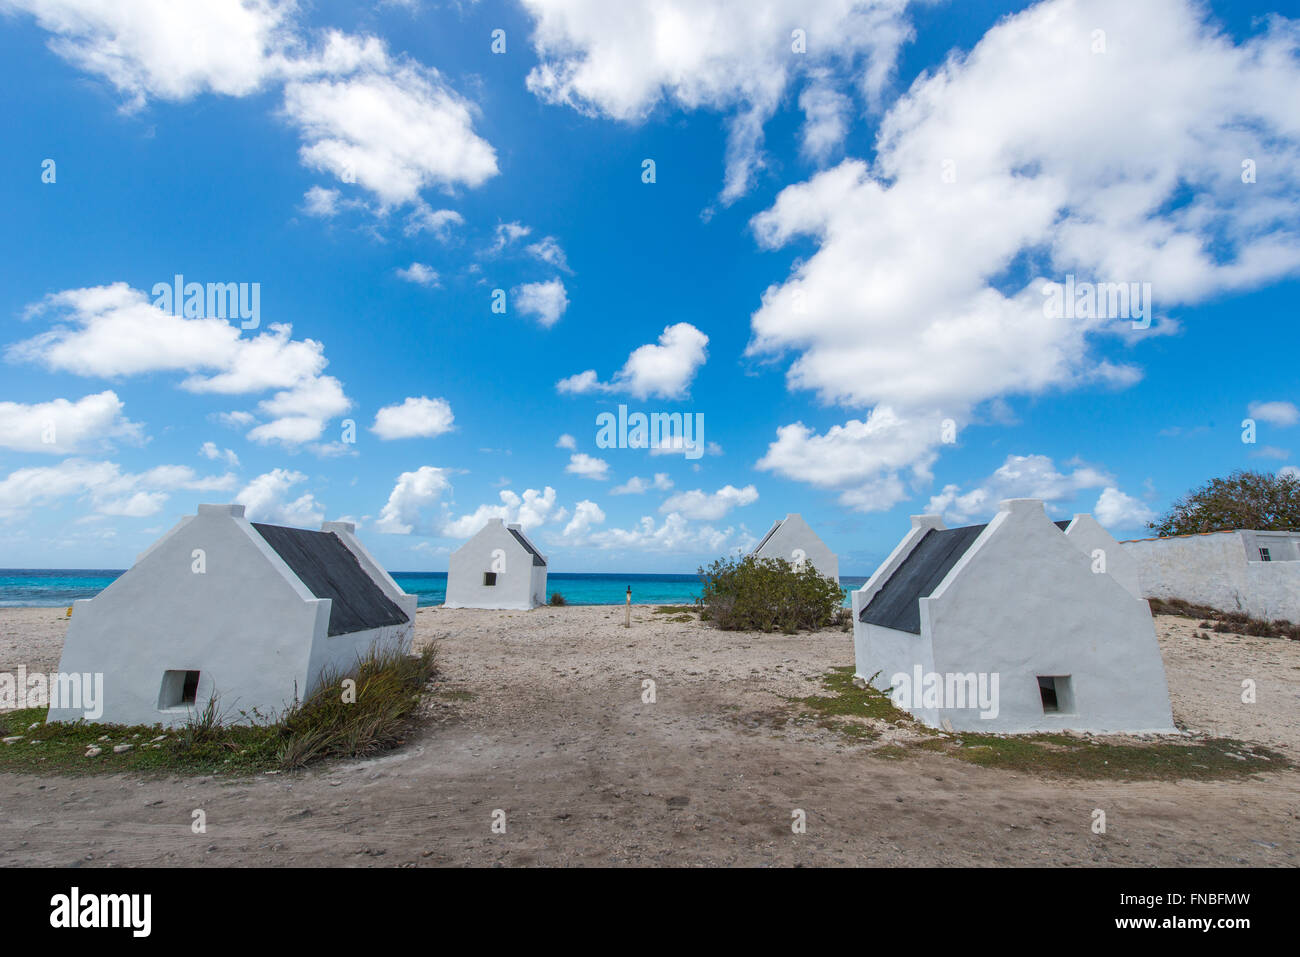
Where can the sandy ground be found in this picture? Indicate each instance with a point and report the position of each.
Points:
(540, 715)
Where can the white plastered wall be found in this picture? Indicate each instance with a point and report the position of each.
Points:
(1088, 535)
(245, 624)
(492, 546)
(795, 537)
(875, 648)
(1222, 570)
(1023, 602)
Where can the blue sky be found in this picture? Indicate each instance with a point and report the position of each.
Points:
(839, 265)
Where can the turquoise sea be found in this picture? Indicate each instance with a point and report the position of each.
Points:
(62, 586)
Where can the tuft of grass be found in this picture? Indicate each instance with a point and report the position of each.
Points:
(1225, 622)
(558, 600)
(674, 610)
(388, 688)
(372, 714)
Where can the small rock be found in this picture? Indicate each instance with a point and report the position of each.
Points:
(11, 739)
(122, 748)
(94, 752)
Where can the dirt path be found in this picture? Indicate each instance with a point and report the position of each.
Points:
(551, 728)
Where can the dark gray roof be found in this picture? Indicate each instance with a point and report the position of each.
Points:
(329, 570)
(895, 605)
(770, 532)
(537, 558)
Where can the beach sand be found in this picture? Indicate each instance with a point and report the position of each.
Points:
(540, 714)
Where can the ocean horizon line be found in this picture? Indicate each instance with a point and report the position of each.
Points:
(60, 587)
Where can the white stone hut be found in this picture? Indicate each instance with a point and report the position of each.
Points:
(1011, 627)
(253, 614)
(794, 540)
(498, 568)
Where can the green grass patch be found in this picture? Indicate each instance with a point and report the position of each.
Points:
(849, 710)
(62, 748)
(1060, 755)
(674, 610)
(892, 752)
(374, 714)
(1051, 755)
(848, 700)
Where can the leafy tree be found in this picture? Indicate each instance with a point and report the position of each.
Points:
(767, 594)
(1258, 500)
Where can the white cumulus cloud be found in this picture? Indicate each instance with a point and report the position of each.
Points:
(637, 485)
(1023, 161)
(587, 466)
(407, 510)
(709, 506)
(420, 274)
(103, 485)
(61, 426)
(114, 330)
(664, 369)
(544, 300)
(1278, 413)
(272, 498)
(736, 58)
(1020, 476)
(1116, 510)
(416, 417)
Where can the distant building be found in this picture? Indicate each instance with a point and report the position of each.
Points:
(1014, 612)
(252, 614)
(1238, 571)
(794, 540)
(498, 568)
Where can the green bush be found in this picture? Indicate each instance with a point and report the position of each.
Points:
(767, 594)
(557, 599)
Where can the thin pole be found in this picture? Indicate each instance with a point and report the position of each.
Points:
(627, 619)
